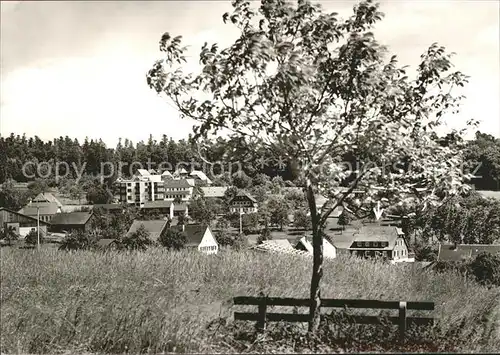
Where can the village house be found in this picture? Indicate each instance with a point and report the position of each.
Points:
(167, 208)
(46, 197)
(182, 189)
(21, 223)
(243, 202)
(385, 242)
(44, 206)
(70, 222)
(154, 227)
(458, 252)
(45, 210)
(305, 244)
(199, 236)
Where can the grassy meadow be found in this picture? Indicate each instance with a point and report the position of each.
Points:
(159, 301)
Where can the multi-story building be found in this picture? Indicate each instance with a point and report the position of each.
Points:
(182, 189)
(146, 186)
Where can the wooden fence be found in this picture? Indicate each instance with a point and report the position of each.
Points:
(262, 316)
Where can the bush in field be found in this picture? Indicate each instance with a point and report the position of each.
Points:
(138, 240)
(486, 268)
(265, 235)
(172, 239)
(32, 237)
(224, 238)
(8, 234)
(79, 240)
(425, 252)
(240, 242)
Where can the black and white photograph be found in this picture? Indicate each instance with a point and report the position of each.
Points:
(250, 177)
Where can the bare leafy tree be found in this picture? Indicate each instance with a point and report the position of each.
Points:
(312, 88)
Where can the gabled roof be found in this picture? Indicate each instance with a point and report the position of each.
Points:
(342, 241)
(243, 193)
(143, 172)
(194, 233)
(23, 215)
(182, 183)
(306, 243)
(214, 191)
(180, 171)
(450, 252)
(46, 208)
(166, 173)
(46, 197)
(72, 218)
(200, 175)
(154, 227)
(378, 233)
(282, 243)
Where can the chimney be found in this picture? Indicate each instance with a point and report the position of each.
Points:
(183, 227)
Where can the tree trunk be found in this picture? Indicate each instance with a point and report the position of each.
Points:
(317, 274)
(314, 310)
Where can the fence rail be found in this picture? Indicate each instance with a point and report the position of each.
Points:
(261, 317)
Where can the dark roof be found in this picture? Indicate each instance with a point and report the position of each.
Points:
(177, 183)
(246, 194)
(377, 233)
(157, 204)
(194, 233)
(71, 218)
(23, 215)
(46, 208)
(154, 227)
(450, 252)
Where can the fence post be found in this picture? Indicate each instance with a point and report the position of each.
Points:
(402, 320)
(261, 323)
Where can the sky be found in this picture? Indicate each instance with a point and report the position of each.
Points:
(78, 68)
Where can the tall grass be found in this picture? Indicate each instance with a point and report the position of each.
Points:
(160, 301)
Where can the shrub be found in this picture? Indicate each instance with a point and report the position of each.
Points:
(32, 237)
(224, 238)
(486, 268)
(78, 240)
(172, 239)
(265, 235)
(138, 240)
